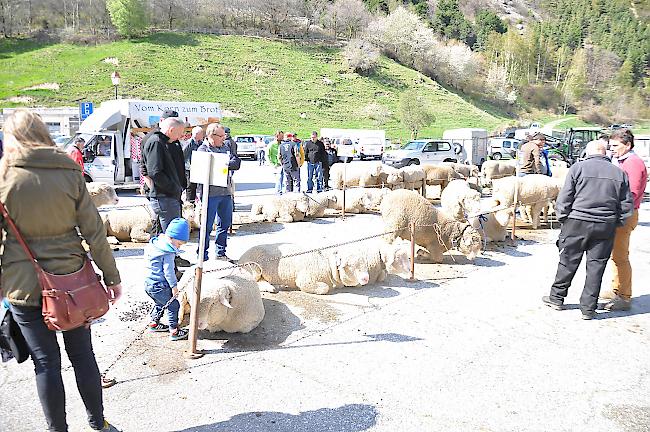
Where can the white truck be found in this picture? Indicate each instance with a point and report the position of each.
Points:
(368, 143)
(111, 128)
(470, 144)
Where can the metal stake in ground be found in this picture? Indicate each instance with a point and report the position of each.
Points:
(412, 251)
(516, 195)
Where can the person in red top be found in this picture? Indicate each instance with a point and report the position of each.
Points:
(621, 143)
(76, 152)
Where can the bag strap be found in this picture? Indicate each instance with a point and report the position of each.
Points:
(20, 238)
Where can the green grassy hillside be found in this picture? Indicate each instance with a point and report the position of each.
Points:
(268, 83)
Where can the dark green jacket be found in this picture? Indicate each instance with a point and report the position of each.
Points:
(46, 196)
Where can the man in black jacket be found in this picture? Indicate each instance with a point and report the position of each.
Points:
(595, 200)
(316, 159)
(166, 169)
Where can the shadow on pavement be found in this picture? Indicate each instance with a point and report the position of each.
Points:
(348, 418)
(278, 324)
(640, 306)
(254, 186)
(124, 253)
(259, 228)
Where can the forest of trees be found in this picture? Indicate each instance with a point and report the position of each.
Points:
(589, 56)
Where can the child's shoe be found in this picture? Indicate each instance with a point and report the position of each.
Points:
(158, 327)
(180, 334)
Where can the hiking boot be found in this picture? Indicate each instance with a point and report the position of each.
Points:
(181, 262)
(588, 315)
(181, 334)
(618, 303)
(108, 427)
(552, 303)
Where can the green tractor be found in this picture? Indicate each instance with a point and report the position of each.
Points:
(571, 147)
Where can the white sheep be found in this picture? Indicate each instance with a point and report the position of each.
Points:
(230, 300)
(355, 175)
(464, 170)
(414, 177)
(434, 230)
(536, 192)
(559, 169)
(289, 207)
(492, 224)
(384, 258)
(357, 200)
(316, 272)
(439, 175)
(458, 200)
(135, 223)
(496, 169)
(102, 193)
(390, 177)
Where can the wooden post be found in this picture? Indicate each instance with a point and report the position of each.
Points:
(514, 206)
(198, 277)
(344, 180)
(412, 251)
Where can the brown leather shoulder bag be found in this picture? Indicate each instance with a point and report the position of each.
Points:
(71, 300)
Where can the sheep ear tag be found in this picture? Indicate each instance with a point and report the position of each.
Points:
(224, 301)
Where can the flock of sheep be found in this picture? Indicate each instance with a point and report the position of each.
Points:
(231, 298)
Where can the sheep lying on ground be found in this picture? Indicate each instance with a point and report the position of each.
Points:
(496, 169)
(357, 200)
(384, 258)
(493, 225)
(414, 176)
(458, 199)
(232, 303)
(355, 175)
(134, 224)
(316, 272)
(102, 193)
(439, 175)
(290, 207)
(401, 207)
(536, 193)
(464, 170)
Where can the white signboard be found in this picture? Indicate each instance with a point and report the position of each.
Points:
(216, 164)
(346, 150)
(148, 113)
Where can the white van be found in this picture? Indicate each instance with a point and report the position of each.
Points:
(111, 128)
(421, 151)
(503, 148)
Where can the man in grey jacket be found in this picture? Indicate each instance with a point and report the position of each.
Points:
(220, 199)
(595, 200)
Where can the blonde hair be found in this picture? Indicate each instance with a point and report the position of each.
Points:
(24, 130)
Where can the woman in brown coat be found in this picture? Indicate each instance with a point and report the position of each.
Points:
(45, 194)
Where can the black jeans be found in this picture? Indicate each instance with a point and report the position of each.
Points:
(576, 238)
(167, 209)
(190, 192)
(46, 355)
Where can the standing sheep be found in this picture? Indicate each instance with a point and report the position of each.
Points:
(102, 193)
(316, 272)
(414, 176)
(400, 208)
(392, 178)
(232, 303)
(536, 192)
(439, 175)
(464, 170)
(496, 169)
(458, 200)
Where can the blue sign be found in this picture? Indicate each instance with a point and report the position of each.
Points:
(85, 109)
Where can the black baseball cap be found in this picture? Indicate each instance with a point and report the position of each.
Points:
(169, 113)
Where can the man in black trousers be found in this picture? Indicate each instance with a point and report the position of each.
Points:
(595, 200)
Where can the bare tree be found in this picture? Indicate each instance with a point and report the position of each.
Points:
(348, 17)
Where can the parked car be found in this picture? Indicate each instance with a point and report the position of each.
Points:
(246, 146)
(62, 140)
(503, 148)
(421, 151)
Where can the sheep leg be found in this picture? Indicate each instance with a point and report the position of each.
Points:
(435, 251)
(306, 284)
(139, 235)
(535, 215)
(285, 219)
(382, 275)
(265, 286)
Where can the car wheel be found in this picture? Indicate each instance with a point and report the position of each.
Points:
(414, 162)
(496, 156)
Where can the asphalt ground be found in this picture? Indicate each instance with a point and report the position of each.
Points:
(467, 347)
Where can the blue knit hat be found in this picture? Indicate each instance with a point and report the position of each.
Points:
(178, 229)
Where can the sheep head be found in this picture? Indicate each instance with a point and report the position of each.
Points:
(470, 243)
(396, 258)
(353, 269)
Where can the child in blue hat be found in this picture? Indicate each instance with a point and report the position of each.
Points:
(160, 280)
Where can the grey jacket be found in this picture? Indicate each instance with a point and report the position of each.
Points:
(595, 191)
